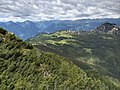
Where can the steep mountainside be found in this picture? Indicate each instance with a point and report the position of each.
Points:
(29, 29)
(98, 49)
(24, 67)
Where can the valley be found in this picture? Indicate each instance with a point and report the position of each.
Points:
(89, 50)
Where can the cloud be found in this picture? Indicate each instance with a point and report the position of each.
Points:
(37, 10)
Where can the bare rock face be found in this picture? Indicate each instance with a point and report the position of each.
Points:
(108, 28)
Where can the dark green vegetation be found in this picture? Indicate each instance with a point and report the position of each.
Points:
(24, 67)
(95, 50)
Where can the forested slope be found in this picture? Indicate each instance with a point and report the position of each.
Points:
(23, 67)
(90, 50)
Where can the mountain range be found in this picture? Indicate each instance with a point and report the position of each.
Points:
(28, 29)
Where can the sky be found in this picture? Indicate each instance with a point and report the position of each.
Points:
(37, 10)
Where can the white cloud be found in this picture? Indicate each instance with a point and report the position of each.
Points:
(20, 10)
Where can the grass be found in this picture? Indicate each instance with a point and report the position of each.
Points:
(62, 34)
(109, 38)
(51, 42)
(63, 42)
(88, 50)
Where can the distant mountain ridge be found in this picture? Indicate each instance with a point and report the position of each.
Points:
(29, 29)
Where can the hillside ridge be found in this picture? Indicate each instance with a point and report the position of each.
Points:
(24, 67)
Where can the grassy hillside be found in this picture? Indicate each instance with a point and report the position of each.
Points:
(24, 67)
(88, 50)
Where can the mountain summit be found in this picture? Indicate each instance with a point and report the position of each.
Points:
(108, 28)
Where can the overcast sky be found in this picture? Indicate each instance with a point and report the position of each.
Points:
(35, 10)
